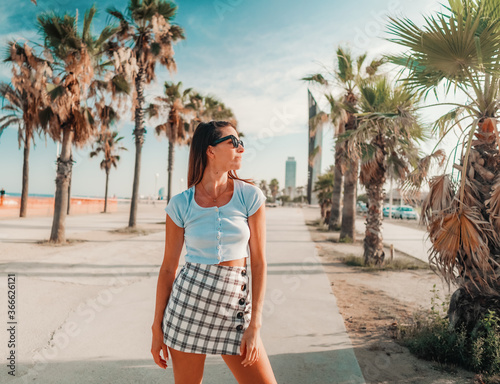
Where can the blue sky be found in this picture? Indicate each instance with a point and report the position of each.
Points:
(249, 53)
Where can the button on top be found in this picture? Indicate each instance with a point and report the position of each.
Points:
(244, 272)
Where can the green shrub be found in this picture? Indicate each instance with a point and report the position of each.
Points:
(429, 337)
(346, 239)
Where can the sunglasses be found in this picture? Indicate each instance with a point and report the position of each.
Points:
(236, 142)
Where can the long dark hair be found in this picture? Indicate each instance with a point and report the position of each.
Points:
(204, 135)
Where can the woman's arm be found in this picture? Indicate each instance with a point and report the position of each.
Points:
(250, 343)
(257, 244)
(174, 239)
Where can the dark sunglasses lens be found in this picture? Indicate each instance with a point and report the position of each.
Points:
(236, 142)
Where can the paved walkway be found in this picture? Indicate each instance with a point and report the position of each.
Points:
(413, 242)
(84, 311)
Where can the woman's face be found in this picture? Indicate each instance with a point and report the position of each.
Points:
(226, 157)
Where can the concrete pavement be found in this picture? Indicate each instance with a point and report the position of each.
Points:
(84, 311)
(413, 242)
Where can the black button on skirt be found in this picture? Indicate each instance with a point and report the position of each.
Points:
(202, 312)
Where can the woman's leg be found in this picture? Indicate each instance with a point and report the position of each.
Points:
(259, 372)
(188, 367)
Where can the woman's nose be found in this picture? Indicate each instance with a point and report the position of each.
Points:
(240, 148)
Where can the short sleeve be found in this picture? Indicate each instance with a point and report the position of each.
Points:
(175, 210)
(253, 199)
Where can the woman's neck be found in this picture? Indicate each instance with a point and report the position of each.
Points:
(215, 182)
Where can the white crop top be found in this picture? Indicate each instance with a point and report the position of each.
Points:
(216, 234)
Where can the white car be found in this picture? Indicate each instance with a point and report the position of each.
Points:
(405, 212)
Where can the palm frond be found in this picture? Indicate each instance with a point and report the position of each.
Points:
(448, 47)
(316, 78)
(460, 247)
(439, 199)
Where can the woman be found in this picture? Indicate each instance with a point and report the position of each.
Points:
(208, 307)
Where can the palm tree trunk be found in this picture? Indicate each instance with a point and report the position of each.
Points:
(335, 212)
(68, 208)
(139, 132)
(373, 245)
(64, 165)
(26, 171)
(170, 166)
(106, 192)
(347, 228)
(338, 184)
(472, 301)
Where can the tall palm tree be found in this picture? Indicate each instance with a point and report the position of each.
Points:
(75, 102)
(24, 99)
(145, 38)
(346, 75)
(338, 117)
(458, 49)
(387, 135)
(107, 143)
(176, 127)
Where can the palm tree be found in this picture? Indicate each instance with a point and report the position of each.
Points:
(385, 139)
(68, 116)
(459, 49)
(107, 143)
(324, 190)
(263, 186)
(274, 188)
(346, 75)
(24, 100)
(176, 127)
(300, 190)
(145, 37)
(338, 117)
(207, 108)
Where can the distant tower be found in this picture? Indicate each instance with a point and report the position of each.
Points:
(315, 143)
(290, 172)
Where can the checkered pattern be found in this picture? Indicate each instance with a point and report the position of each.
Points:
(208, 310)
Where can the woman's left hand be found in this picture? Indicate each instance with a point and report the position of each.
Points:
(250, 346)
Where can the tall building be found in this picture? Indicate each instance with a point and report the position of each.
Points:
(290, 173)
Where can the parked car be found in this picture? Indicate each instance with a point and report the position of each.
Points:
(385, 211)
(405, 212)
(361, 207)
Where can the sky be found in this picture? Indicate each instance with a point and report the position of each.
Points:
(251, 54)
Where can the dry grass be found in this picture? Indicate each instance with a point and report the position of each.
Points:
(401, 263)
(134, 231)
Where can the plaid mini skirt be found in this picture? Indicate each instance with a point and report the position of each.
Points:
(208, 310)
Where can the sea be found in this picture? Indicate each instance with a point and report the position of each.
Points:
(45, 195)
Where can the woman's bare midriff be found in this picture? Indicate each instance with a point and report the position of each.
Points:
(235, 263)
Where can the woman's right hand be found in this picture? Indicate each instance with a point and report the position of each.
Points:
(157, 346)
